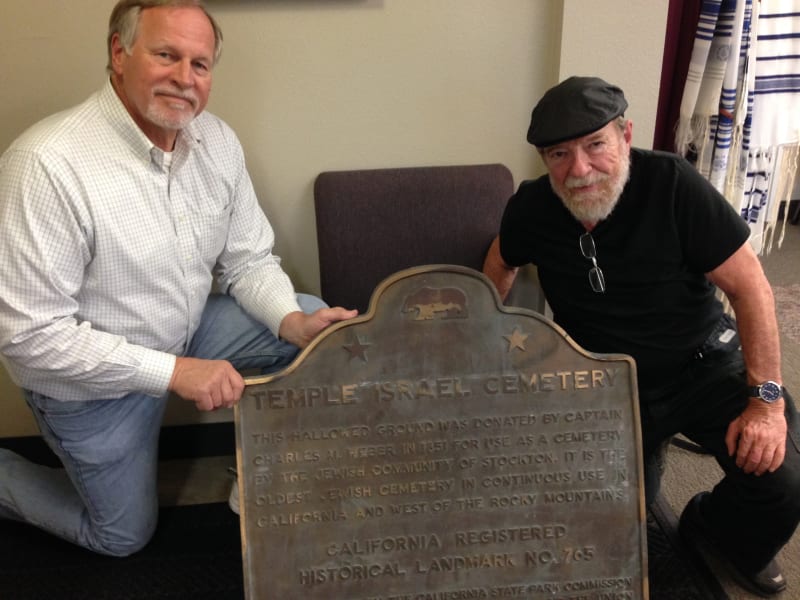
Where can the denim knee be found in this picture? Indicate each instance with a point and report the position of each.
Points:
(309, 303)
(113, 540)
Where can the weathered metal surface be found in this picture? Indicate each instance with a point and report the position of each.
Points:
(442, 447)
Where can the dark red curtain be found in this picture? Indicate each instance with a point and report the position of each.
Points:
(682, 17)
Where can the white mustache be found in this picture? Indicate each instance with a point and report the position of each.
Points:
(577, 182)
(188, 96)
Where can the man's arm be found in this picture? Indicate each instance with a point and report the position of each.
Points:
(496, 269)
(46, 241)
(213, 384)
(758, 436)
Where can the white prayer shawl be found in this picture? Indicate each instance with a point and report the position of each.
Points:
(774, 140)
(731, 28)
(702, 89)
(733, 118)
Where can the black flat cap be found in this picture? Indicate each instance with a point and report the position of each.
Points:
(575, 107)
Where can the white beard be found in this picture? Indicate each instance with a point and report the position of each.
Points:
(594, 206)
(177, 118)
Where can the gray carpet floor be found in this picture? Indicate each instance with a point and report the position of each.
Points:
(688, 473)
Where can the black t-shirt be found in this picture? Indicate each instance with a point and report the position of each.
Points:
(669, 228)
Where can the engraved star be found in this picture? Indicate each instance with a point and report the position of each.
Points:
(516, 340)
(357, 349)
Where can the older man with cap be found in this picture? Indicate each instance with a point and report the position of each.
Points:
(631, 246)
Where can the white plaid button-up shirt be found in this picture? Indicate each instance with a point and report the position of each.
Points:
(107, 255)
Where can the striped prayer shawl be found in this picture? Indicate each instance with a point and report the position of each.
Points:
(740, 111)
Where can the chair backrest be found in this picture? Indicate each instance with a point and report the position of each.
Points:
(372, 223)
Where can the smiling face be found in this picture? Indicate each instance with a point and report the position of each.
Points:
(164, 78)
(590, 172)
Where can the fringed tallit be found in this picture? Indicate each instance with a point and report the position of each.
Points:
(740, 111)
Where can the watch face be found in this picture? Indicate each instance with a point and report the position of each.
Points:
(770, 391)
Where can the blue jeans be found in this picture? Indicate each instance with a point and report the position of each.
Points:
(105, 498)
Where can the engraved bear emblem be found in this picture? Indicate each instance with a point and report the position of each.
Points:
(436, 303)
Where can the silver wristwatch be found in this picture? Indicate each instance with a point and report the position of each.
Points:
(769, 391)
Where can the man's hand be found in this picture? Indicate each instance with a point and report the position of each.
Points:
(758, 437)
(210, 384)
(299, 329)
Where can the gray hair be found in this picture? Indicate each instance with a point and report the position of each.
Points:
(124, 21)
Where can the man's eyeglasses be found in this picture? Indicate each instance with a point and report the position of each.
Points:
(596, 279)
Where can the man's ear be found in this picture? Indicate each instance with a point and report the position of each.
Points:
(117, 54)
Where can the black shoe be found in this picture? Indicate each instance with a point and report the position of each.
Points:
(695, 531)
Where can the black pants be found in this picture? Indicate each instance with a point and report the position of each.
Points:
(753, 516)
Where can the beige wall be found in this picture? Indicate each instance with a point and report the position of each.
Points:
(622, 42)
(314, 85)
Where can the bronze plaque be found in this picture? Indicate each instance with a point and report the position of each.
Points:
(442, 447)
